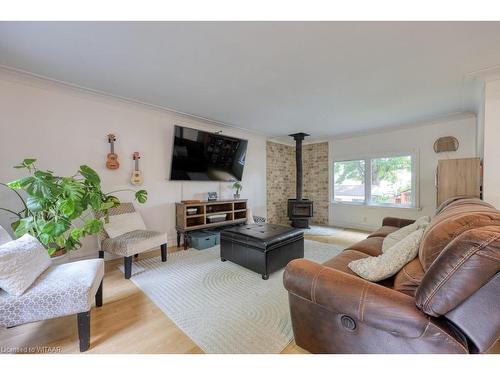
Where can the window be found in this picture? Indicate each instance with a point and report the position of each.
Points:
(388, 181)
(349, 181)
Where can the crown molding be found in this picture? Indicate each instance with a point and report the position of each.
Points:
(103, 94)
(417, 124)
(491, 73)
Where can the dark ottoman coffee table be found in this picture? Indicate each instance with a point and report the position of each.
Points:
(262, 248)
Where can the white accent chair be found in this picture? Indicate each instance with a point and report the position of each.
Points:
(60, 290)
(132, 243)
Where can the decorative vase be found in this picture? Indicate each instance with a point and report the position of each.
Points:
(236, 196)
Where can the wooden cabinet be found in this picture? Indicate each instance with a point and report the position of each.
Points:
(208, 214)
(193, 216)
(458, 177)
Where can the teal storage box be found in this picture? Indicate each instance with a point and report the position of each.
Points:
(202, 240)
(216, 234)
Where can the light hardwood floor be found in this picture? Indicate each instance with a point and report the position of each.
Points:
(128, 322)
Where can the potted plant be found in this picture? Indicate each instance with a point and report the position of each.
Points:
(238, 187)
(56, 209)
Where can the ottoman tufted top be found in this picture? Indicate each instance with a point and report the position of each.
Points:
(263, 236)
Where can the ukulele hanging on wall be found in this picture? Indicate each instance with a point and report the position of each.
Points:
(112, 160)
(136, 174)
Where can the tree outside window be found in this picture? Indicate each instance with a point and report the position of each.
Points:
(390, 181)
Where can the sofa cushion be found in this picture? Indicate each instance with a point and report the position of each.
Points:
(391, 261)
(462, 268)
(341, 261)
(461, 201)
(383, 231)
(21, 262)
(409, 278)
(371, 246)
(453, 220)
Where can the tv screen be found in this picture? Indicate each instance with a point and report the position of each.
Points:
(203, 156)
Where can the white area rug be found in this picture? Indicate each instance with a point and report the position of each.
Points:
(222, 307)
(322, 230)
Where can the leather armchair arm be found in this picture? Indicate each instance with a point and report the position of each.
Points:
(364, 301)
(396, 222)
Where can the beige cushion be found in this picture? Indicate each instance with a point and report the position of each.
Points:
(124, 223)
(392, 238)
(134, 242)
(61, 290)
(21, 262)
(389, 263)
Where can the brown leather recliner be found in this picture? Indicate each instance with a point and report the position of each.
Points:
(447, 300)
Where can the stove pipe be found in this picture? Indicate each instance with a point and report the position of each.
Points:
(299, 137)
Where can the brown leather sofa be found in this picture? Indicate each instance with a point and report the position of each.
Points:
(447, 300)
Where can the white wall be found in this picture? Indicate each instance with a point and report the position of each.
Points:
(491, 168)
(64, 127)
(418, 140)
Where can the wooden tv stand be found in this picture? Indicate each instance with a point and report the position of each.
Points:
(234, 209)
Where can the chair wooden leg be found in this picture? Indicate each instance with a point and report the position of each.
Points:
(98, 296)
(84, 330)
(164, 252)
(101, 254)
(127, 262)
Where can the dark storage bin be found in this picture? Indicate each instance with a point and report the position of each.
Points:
(216, 233)
(202, 240)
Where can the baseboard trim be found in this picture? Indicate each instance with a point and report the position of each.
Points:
(354, 225)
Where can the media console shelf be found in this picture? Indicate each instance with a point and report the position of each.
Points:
(208, 214)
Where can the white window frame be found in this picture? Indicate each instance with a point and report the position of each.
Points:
(333, 184)
(368, 183)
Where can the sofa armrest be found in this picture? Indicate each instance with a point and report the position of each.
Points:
(364, 301)
(396, 222)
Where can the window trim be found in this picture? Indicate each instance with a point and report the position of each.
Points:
(368, 184)
(333, 182)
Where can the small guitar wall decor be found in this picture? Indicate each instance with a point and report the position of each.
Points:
(136, 174)
(112, 159)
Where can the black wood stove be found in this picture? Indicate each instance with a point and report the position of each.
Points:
(300, 210)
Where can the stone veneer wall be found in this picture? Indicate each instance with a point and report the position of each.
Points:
(315, 185)
(280, 181)
(281, 176)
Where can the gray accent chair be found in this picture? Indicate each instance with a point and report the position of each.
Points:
(61, 290)
(130, 244)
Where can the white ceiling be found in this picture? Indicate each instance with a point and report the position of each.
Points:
(325, 78)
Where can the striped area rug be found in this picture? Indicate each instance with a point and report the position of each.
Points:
(222, 307)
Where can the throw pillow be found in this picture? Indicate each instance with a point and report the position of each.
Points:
(124, 223)
(394, 237)
(4, 236)
(21, 262)
(389, 263)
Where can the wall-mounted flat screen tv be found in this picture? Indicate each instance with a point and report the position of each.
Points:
(204, 156)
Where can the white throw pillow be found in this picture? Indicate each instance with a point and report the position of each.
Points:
(393, 238)
(124, 223)
(4, 236)
(389, 263)
(21, 262)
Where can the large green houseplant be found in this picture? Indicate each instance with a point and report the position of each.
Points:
(56, 209)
